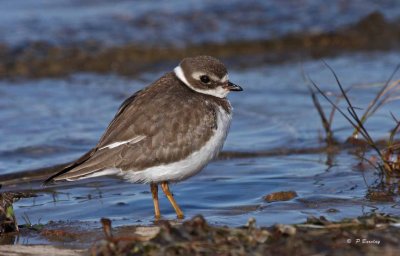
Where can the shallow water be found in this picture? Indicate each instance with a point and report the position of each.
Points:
(51, 121)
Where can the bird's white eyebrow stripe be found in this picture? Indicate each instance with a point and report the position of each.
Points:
(225, 78)
(197, 75)
(119, 143)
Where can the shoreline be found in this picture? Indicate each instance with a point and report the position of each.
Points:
(366, 235)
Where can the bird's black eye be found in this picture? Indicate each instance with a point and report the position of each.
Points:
(205, 79)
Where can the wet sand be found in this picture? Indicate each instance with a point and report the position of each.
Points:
(368, 235)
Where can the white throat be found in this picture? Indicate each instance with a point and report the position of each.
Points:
(217, 92)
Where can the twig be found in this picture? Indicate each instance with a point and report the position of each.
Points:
(354, 120)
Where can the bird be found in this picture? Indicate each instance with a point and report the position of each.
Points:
(164, 133)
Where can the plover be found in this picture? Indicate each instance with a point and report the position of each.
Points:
(166, 132)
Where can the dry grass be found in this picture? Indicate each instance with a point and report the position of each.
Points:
(388, 157)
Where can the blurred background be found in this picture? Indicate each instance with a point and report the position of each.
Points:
(65, 66)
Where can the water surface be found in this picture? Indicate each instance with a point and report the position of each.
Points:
(178, 22)
(51, 121)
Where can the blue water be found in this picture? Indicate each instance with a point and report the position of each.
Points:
(178, 22)
(49, 121)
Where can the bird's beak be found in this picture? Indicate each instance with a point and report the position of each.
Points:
(233, 87)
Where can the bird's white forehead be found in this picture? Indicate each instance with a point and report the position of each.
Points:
(225, 78)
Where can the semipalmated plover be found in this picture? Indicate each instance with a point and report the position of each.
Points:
(166, 132)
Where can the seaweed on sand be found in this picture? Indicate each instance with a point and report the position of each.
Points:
(8, 222)
(366, 235)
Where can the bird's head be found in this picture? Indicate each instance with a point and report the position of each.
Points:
(207, 75)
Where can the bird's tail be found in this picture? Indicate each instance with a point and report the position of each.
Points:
(69, 167)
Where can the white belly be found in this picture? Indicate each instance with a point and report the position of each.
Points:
(189, 166)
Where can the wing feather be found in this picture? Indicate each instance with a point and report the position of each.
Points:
(171, 128)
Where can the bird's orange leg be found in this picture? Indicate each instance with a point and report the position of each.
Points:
(165, 188)
(154, 192)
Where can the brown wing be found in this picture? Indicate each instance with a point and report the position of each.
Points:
(173, 120)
